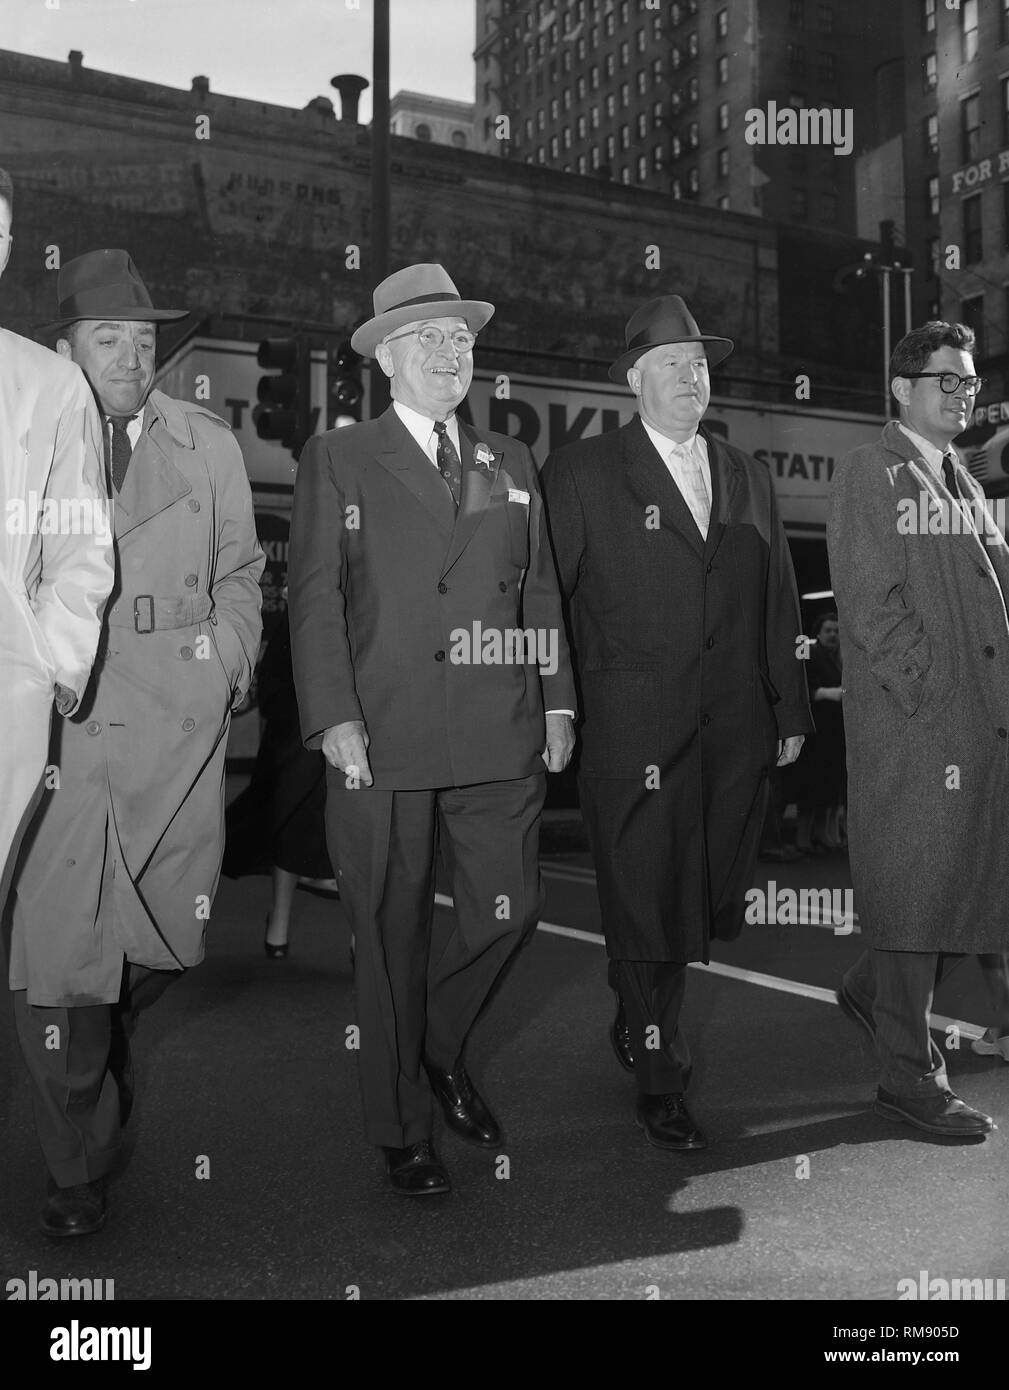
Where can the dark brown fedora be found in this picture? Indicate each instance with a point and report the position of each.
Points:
(104, 285)
(413, 293)
(660, 322)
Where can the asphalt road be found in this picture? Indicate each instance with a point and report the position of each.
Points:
(804, 1194)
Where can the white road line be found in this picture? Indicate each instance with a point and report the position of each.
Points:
(749, 977)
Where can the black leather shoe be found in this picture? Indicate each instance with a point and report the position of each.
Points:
(668, 1123)
(416, 1170)
(74, 1211)
(620, 1037)
(853, 1010)
(465, 1112)
(273, 952)
(943, 1113)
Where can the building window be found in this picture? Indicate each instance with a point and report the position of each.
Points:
(693, 135)
(932, 196)
(594, 117)
(459, 139)
(972, 314)
(828, 208)
(723, 163)
(796, 55)
(675, 57)
(1004, 27)
(611, 25)
(1005, 110)
(540, 119)
(677, 149)
(932, 255)
(566, 60)
(555, 149)
(657, 115)
(692, 89)
(611, 105)
(657, 157)
(657, 70)
(722, 24)
(540, 154)
(723, 202)
(611, 148)
(796, 15)
(625, 54)
(555, 108)
(676, 13)
(677, 190)
(642, 41)
(625, 137)
(828, 68)
(580, 127)
(611, 66)
(580, 89)
(798, 204)
(927, 16)
(422, 132)
(566, 137)
(642, 80)
(625, 174)
(970, 129)
(642, 168)
(928, 73)
(642, 125)
(825, 18)
(594, 76)
(930, 131)
(580, 49)
(595, 156)
(972, 248)
(692, 44)
(675, 100)
(566, 99)
(625, 95)
(694, 182)
(969, 30)
(722, 70)
(529, 128)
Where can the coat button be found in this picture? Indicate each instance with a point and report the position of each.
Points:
(705, 720)
(443, 588)
(186, 653)
(502, 586)
(709, 569)
(439, 656)
(710, 643)
(188, 725)
(989, 651)
(193, 505)
(191, 579)
(93, 727)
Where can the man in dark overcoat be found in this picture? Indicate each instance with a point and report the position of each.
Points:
(921, 577)
(118, 870)
(419, 557)
(684, 620)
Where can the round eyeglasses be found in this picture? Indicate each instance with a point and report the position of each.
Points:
(462, 339)
(950, 382)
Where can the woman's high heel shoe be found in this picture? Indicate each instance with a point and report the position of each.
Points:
(273, 952)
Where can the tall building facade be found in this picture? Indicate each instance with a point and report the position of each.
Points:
(657, 94)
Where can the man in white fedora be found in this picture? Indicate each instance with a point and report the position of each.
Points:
(431, 669)
(684, 617)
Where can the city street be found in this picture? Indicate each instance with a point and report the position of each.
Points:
(804, 1194)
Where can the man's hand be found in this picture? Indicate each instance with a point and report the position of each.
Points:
(345, 747)
(560, 742)
(789, 750)
(64, 697)
(828, 692)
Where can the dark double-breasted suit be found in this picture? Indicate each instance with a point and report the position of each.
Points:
(392, 596)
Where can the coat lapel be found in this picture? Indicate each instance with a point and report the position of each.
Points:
(925, 480)
(402, 457)
(650, 481)
(477, 485)
(152, 480)
(725, 473)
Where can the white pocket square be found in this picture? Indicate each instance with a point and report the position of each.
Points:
(516, 494)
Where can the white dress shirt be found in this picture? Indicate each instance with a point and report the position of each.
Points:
(931, 455)
(690, 470)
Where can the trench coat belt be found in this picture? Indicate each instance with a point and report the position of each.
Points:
(147, 613)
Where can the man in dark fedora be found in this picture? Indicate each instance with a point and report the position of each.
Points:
(56, 567)
(118, 870)
(683, 617)
(428, 642)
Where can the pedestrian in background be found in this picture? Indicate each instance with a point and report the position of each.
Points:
(819, 772)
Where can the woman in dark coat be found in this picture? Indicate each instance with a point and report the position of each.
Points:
(820, 769)
(278, 823)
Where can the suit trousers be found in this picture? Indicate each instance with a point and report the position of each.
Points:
(420, 985)
(896, 987)
(75, 1095)
(652, 991)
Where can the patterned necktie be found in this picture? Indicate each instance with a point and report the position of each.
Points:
(448, 461)
(690, 480)
(122, 449)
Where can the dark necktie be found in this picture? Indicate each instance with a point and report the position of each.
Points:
(949, 476)
(122, 449)
(448, 461)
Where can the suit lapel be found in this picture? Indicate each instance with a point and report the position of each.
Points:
(650, 481)
(724, 482)
(401, 456)
(152, 480)
(477, 485)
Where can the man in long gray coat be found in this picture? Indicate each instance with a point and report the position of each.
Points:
(921, 577)
(684, 621)
(118, 871)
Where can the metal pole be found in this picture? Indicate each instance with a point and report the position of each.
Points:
(907, 300)
(379, 394)
(884, 280)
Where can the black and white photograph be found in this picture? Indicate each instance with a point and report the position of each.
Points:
(505, 668)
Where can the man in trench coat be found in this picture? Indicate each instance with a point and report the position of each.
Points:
(684, 619)
(119, 868)
(921, 577)
(56, 569)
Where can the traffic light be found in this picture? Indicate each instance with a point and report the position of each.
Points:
(285, 407)
(347, 389)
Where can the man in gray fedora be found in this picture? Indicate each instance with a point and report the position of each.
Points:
(683, 617)
(418, 544)
(118, 870)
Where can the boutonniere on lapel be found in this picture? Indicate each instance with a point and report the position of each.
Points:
(486, 459)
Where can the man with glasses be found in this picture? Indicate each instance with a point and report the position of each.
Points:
(921, 595)
(418, 555)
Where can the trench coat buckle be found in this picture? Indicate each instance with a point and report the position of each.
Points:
(147, 619)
